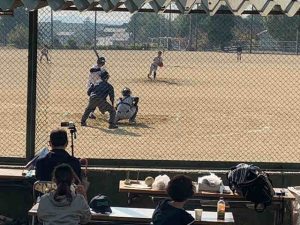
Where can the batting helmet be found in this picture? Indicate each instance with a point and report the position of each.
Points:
(104, 75)
(101, 60)
(126, 92)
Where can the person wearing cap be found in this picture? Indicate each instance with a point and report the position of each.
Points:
(98, 94)
(94, 77)
(170, 211)
(58, 155)
(158, 60)
(67, 204)
(127, 106)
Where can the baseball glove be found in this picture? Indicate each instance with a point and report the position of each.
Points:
(160, 64)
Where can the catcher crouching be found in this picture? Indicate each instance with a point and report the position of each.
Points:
(127, 106)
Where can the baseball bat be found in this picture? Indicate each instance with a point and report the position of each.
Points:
(96, 53)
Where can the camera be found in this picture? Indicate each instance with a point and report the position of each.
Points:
(70, 125)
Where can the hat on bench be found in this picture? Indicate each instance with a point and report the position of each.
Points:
(100, 204)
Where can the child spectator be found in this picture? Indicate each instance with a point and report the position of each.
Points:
(171, 212)
(64, 206)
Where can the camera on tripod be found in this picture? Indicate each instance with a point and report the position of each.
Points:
(70, 125)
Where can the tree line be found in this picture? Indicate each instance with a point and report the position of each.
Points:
(196, 31)
(201, 31)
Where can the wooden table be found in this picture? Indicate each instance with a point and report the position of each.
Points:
(143, 215)
(11, 174)
(142, 189)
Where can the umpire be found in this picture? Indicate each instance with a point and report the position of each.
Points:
(98, 94)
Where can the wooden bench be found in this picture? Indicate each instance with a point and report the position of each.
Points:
(143, 215)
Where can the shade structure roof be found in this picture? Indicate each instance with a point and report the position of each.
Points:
(211, 7)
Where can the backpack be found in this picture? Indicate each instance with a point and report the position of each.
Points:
(253, 184)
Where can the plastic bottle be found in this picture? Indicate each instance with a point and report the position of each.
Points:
(221, 209)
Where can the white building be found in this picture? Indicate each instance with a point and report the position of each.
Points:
(105, 41)
(64, 37)
(113, 35)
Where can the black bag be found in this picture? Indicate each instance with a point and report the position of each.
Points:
(253, 184)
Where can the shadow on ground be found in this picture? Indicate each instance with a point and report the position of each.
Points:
(119, 131)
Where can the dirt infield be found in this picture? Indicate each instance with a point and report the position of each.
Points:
(204, 106)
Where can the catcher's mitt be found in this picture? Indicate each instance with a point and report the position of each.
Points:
(160, 64)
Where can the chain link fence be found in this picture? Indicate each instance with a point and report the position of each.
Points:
(228, 90)
(13, 83)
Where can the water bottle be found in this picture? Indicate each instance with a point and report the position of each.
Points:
(221, 209)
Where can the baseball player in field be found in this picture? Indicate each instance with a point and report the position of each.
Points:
(94, 77)
(127, 106)
(98, 94)
(157, 62)
(44, 53)
(239, 51)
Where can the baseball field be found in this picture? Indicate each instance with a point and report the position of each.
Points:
(204, 106)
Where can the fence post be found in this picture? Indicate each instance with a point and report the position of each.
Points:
(95, 30)
(190, 33)
(52, 34)
(31, 86)
(297, 41)
(251, 31)
(196, 34)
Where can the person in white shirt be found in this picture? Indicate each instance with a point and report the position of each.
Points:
(44, 53)
(157, 62)
(94, 78)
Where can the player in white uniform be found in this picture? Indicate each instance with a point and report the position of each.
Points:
(127, 106)
(44, 52)
(94, 77)
(157, 61)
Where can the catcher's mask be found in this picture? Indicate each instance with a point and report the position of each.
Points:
(104, 75)
(126, 92)
(101, 60)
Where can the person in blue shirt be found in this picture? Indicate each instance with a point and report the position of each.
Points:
(171, 211)
(58, 155)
